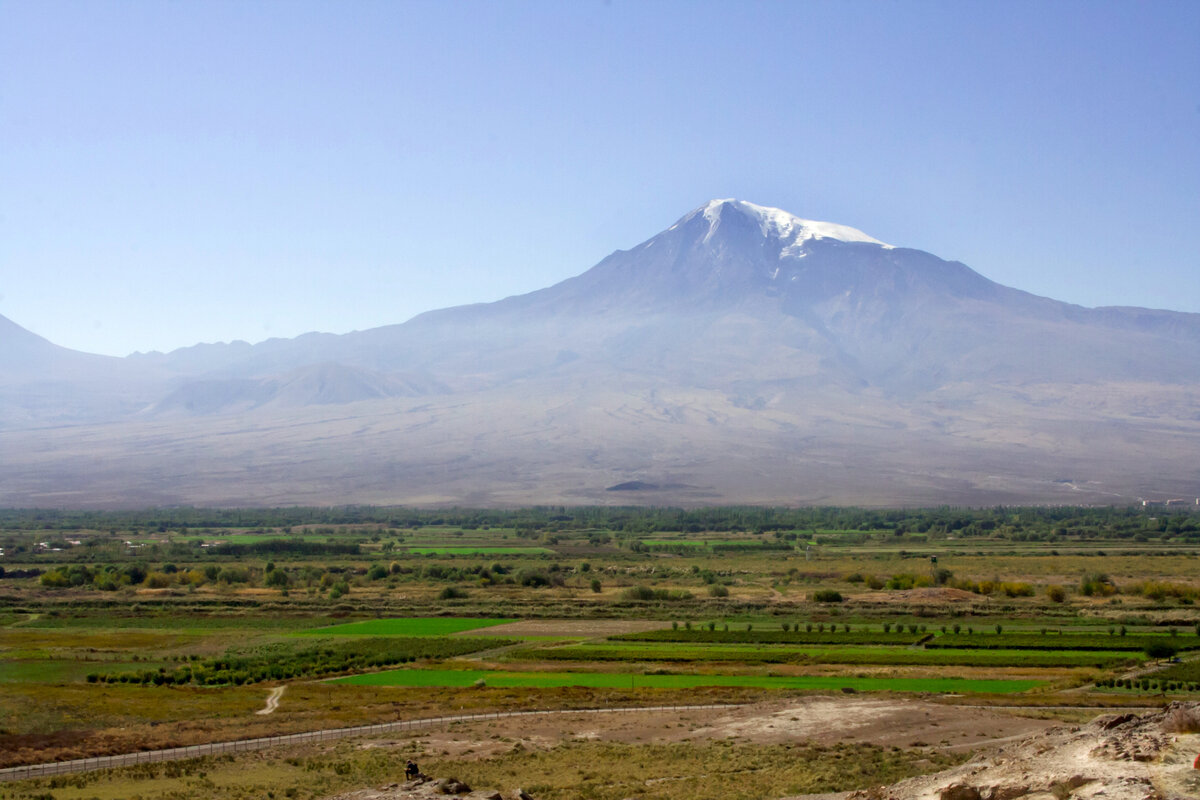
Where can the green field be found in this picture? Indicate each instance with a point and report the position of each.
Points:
(478, 551)
(175, 623)
(63, 670)
(1065, 641)
(617, 680)
(123, 649)
(898, 656)
(775, 636)
(407, 626)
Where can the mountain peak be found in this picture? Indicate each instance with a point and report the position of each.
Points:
(777, 223)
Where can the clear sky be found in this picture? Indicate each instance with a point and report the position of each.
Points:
(177, 172)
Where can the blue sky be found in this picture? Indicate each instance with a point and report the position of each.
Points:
(206, 171)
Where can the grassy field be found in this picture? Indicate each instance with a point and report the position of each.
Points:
(52, 671)
(615, 680)
(317, 601)
(410, 626)
(829, 655)
(567, 771)
(481, 550)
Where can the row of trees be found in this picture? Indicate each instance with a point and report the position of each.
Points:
(1009, 522)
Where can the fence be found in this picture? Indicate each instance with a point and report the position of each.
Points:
(246, 745)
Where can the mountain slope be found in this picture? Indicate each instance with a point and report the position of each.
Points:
(741, 355)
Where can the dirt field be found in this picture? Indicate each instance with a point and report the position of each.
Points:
(889, 722)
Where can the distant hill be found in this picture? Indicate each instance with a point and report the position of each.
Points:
(741, 355)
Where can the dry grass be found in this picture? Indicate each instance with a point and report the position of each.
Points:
(689, 771)
(56, 723)
(1182, 719)
(586, 770)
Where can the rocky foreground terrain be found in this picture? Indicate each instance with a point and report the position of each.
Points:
(1115, 757)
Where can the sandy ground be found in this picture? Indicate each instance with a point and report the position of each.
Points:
(1115, 757)
(887, 722)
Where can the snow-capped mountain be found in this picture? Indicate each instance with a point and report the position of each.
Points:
(743, 353)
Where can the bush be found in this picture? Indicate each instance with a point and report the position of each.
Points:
(451, 593)
(827, 596)
(1097, 585)
(1160, 650)
(277, 578)
(717, 590)
(534, 578)
(157, 580)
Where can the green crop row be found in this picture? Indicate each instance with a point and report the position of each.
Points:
(1064, 641)
(829, 655)
(751, 636)
(406, 626)
(280, 662)
(626, 680)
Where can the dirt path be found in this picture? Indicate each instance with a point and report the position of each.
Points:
(272, 701)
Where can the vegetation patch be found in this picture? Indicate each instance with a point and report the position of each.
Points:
(407, 626)
(284, 662)
(779, 654)
(627, 680)
(479, 551)
(1064, 641)
(591, 770)
(749, 635)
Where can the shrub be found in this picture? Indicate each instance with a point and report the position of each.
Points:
(534, 578)
(157, 580)
(717, 590)
(596, 587)
(646, 593)
(233, 575)
(1056, 593)
(277, 578)
(827, 596)
(1160, 650)
(1097, 585)
(54, 579)
(451, 593)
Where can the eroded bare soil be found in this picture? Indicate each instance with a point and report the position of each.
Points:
(1115, 757)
